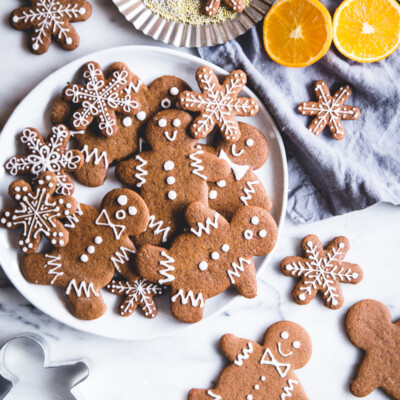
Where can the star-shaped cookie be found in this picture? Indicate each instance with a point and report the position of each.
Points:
(329, 110)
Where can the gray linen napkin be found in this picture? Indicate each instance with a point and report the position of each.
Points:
(327, 177)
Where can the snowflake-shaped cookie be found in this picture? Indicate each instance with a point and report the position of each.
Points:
(47, 18)
(101, 97)
(137, 292)
(329, 110)
(218, 104)
(47, 156)
(321, 270)
(211, 7)
(38, 212)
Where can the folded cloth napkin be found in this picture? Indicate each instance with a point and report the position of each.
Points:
(327, 177)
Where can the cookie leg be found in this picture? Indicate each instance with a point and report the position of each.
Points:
(201, 394)
(187, 306)
(43, 269)
(84, 301)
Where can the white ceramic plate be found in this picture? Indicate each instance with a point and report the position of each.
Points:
(148, 63)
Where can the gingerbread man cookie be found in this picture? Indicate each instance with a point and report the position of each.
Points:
(329, 110)
(101, 97)
(262, 371)
(322, 271)
(38, 212)
(218, 104)
(369, 327)
(241, 187)
(170, 176)
(101, 152)
(47, 156)
(212, 256)
(99, 244)
(51, 18)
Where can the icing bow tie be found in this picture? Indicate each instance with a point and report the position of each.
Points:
(104, 219)
(282, 368)
(238, 170)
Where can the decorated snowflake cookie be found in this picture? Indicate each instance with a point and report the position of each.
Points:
(47, 18)
(321, 271)
(329, 110)
(136, 292)
(370, 328)
(262, 371)
(47, 156)
(218, 104)
(101, 152)
(170, 176)
(99, 244)
(210, 257)
(211, 7)
(38, 212)
(241, 187)
(101, 98)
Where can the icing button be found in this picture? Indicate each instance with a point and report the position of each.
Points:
(90, 249)
(221, 184)
(127, 121)
(213, 194)
(215, 255)
(98, 239)
(262, 233)
(141, 115)
(169, 165)
(162, 123)
(225, 248)
(176, 122)
(203, 265)
(132, 210)
(174, 91)
(172, 195)
(84, 258)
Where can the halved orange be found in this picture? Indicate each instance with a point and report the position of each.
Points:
(367, 30)
(297, 33)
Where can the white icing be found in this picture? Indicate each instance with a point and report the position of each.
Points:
(206, 226)
(95, 155)
(120, 214)
(203, 265)
(162, 123)
(98, 239)
(122, 200)
(285, 335)
(244, 355)
(221, 184)
(140, 175)
(166, 103)
(281, 368)
(288, 389)
(249, 142)
(255, 220)
(280, 351)
(141, 115)
(56, 266)
(176, 122)
(169, 165)
(172, 195)
(104, 220)
(262, 233)
(174, 91)
(90, 249)
(236, 153)
(239, 171)
(127, 121)
(158, 228)
(86, 289)
(296, 344)
(121, 257)
(215, 255)
(132, 210)
(248, 234)
(237, 269)
(196, 164)
(248, 192)
(213, 194)
(84, 258)
(168, 267)
(225, 248)
(197, 301)
(170, 180)
(170, 137)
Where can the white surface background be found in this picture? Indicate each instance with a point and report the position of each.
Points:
(167, 368)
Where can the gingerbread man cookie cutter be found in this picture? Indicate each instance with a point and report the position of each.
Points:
(12, 379)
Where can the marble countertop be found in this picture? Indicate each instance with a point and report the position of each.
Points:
(169, 367)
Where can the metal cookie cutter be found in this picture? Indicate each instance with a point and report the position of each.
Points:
(8, 380)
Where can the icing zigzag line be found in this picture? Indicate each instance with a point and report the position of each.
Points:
(287, 389)
(158, 225)
(56, 265)
(196, 164)
(214, 396)
(194, 301)
(118, 258)
(248, 192)
(236, 268)
(168, 267)
(95, 153)
(87, 289)
(73, 219)
(206, 227)
(142, 172)
(245, 355)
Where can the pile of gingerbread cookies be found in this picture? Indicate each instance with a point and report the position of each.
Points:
(190, 216)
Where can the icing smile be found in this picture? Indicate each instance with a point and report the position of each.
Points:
(282, 353)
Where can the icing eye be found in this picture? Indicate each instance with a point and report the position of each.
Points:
(176, 122)
(122, 200)
(98, 239)
(296, 345)
(203, 265)
(120, 214)
(172, 195)
(174, 91)
(127, 122)
(255, 220)
(166, 103)
(162, 123)
(248, 234)
(215, 255)
(285, 335)
(213, 194)
(141, 115)
(250, 142)
(132, 210)
(262, 233)
(221, 184)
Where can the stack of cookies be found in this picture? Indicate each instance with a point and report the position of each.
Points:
(190, 217)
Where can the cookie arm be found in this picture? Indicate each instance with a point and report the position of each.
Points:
(232, 346)
(292, 388)
(365, 381)
(133, 172)
(242, 274)
(201, 219)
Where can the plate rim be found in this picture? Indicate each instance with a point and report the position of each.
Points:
(280, 218)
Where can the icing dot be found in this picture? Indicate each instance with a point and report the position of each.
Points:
(53, 241)
(3, 220)
(90, 249)
(127, 121)
(221, 184)
(249, 397)
(66, 212)
(174, 91)
(176, 122)
(21, 242)
(120, 214)
(263, 378)
(166, 103)
(15, 18)
(262, 233)
(48, 177)
(68, 205)
(141, 115)
(172, 195)
(7, 213)
(35, 46)
(122, 200)
(355, 275)
(170, 180)
(51, 184)
(225, 248)
(302, 296)
(169, 165)
(132, 210)
(60, 234)
(250, 142)
(215, 255)
(84, 258)
(256, 387)
(162, 123)
(40, 182)
(248, 234)
(98, 239)
(17, 196)
(334, 302)
(285, 335)
(61, 242)
(68, 40)
(341, 245)
(61, 201)
(255, 220)
(309, 243)
(82, 10)
(203, 265)
(213, 194)
(17, 189)
(24, 249)
(296, 344)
